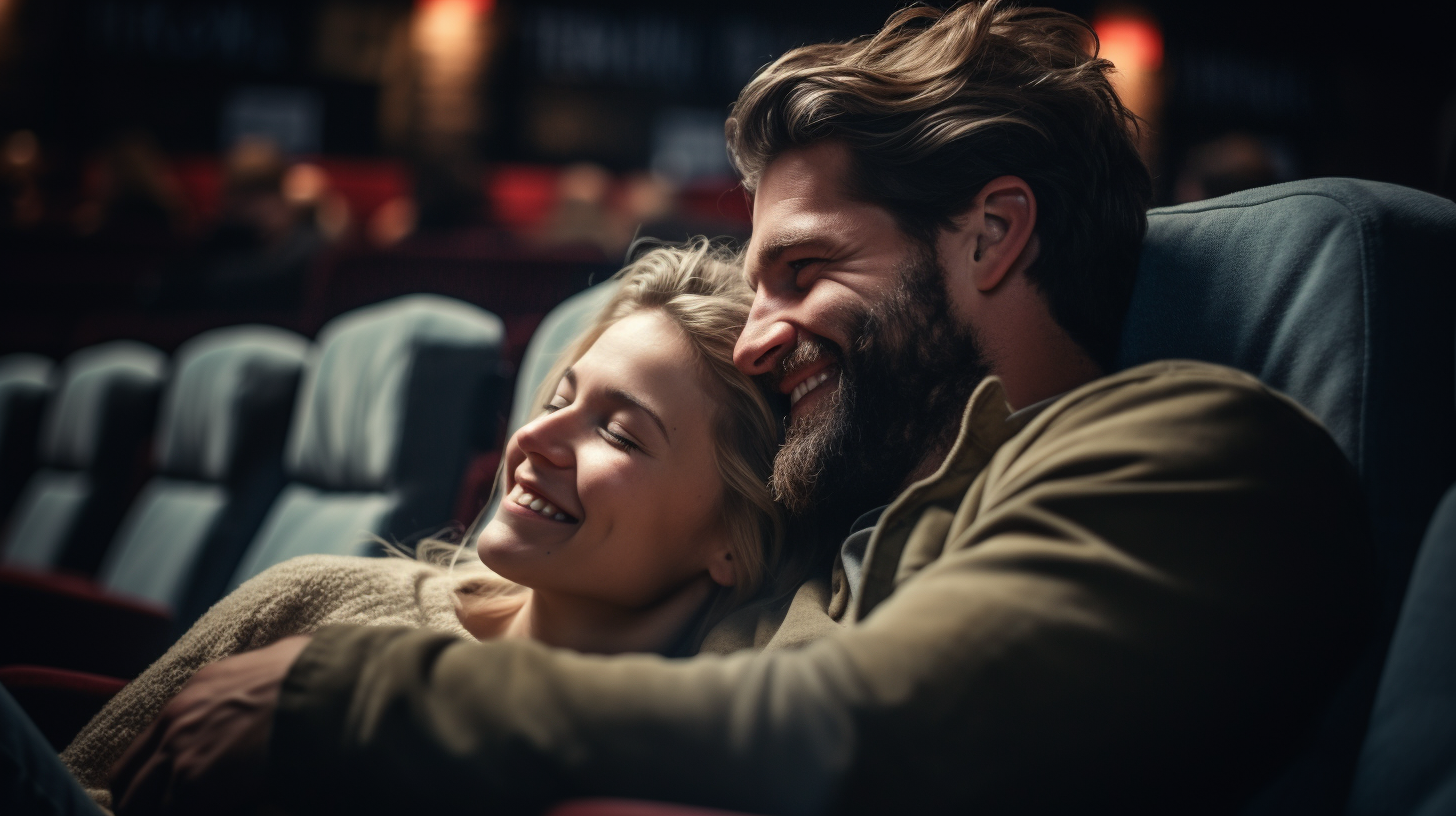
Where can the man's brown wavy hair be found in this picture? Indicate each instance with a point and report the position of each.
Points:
(937, 104)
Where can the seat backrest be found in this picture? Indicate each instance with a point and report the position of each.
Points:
(1339, 293)
(1408, 764)
(90, 442)
(389, 410)
(25, 382)
(218, 453)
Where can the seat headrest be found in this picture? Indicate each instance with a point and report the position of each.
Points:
(1337, 292)
(363, 420)
(25, 371)
(97, 383)
(228, 387)
(24, 377)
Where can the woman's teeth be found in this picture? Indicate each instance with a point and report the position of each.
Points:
(806, 386)
(541, 506)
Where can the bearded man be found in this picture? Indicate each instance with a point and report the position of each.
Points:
(1123, 592)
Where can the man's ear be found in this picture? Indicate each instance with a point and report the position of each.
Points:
(721, 567)
(994, 234)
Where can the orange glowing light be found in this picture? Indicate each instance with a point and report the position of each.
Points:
(1130, 43)
(475, 7)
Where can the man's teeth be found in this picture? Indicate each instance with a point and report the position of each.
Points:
(541, 506)
(806, 386)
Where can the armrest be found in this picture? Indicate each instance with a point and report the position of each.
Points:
(73, 623)
(58, 701)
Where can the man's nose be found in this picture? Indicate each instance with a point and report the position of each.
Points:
(764, 343)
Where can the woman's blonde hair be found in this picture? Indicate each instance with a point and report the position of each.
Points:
(699, 287)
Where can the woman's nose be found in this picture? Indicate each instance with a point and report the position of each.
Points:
(548, 437)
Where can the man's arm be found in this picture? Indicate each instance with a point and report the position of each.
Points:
(1144, 615)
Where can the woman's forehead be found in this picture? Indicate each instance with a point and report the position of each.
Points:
(647, 355)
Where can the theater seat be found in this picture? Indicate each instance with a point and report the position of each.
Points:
(1340, 293)
(91, 450)
(218, 456)
(1408, 765)
(25, 382)
(391, 406)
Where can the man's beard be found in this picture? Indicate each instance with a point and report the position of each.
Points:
(903, 385)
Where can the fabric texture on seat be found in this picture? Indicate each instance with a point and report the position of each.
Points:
(309, 521)
(219, 449)
(1408, 765)
(1339, 293)
(90, 445)
(392, 403)
(25, 383)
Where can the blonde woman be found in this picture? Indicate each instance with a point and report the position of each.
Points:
(635, 510)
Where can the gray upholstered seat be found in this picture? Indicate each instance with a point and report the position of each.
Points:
(218, 455)
(1339, 293)
(25, 382)
(91, 438)
(391, 406)
(1408, 765)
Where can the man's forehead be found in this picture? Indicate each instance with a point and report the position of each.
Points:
(814, 173)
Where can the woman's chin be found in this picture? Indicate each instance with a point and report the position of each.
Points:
(507, 552)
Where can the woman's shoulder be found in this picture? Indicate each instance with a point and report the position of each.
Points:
(351, 589)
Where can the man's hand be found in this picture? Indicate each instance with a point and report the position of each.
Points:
(207, 750)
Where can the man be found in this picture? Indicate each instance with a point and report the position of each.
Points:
(1132, 594)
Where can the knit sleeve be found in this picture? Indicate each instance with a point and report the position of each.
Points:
(295, 597)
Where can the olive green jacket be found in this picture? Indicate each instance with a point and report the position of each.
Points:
(1137, 601)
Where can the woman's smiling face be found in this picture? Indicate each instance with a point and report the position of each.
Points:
(613, 494)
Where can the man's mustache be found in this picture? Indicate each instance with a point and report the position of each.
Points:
(806, 352)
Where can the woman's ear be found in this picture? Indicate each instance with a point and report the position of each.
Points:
(721, 567)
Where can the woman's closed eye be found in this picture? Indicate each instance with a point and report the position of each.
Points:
(615, 438)
(619, 440)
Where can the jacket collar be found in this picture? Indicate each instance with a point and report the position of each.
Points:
(985, 426)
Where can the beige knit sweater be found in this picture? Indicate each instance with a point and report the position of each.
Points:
(295, 597)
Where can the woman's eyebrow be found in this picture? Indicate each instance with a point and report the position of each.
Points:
(624, 396)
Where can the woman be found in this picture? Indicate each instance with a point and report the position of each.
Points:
(635, 510)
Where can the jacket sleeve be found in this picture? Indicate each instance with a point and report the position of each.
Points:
(1159, 588)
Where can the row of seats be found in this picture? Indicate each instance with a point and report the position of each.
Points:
(265, 446)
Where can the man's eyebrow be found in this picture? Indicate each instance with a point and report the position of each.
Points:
(624, 396)
(773, 248)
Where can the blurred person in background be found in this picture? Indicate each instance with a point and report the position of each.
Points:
(581, 216)
(259, 252)
(309, 190)
(1230, 163)
(20, 182)
(132, 196)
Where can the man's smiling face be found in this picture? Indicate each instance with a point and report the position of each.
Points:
(851, 322)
